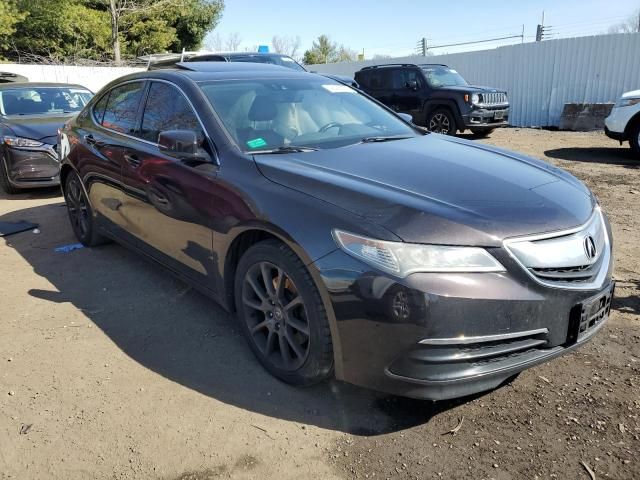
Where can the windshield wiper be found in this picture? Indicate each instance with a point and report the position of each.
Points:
(383, 139)
(285, 149)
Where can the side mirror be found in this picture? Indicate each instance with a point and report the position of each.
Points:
(406, 117)
(412, 85)
(181, 144)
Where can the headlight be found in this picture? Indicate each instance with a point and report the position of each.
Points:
(627, 102)
(475, 99)
(402, 259)
(20, 142)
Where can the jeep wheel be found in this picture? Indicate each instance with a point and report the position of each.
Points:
(442, 121)
(482, 132)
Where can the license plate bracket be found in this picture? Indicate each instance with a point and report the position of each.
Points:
(498, 115)
(587, 316)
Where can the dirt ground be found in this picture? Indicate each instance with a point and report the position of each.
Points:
(111, 368)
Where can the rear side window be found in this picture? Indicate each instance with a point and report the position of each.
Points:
(167, 109)
(121, 109)
(99, 107)
(380, 79)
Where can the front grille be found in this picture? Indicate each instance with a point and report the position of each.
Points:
(562, 259)
(494, 98)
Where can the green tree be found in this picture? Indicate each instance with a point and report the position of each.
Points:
(10, 15)
(325, 51)
(80, 32)
(192, 20)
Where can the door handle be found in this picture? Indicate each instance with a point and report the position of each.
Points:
(132, 159)
(91, 140)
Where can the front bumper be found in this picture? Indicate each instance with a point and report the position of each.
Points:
(487, 117)
(382, 324)
(32, 168)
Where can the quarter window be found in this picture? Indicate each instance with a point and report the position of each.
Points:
(122, 108)
(167, 109)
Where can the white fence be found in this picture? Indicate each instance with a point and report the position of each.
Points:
(94, 78)
(541, 77)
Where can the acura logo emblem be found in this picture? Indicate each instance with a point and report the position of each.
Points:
(590, 247)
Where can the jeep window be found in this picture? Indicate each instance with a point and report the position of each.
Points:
(267, 114)
(379, 79)
(438, 76)
(402, 77)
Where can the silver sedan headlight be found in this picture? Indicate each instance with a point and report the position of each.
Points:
(402, 259)
(627, 102)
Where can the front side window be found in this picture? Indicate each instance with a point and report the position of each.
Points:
(263, 114)
(167, 109)
(43, 100)
(441, 76)
(121, 111)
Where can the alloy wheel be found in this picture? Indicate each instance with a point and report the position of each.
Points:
(77, 207)
(439, 123)
(276, 316)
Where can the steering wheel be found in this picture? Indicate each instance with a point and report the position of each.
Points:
(329, 126)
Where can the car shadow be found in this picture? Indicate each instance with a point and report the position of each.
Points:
(629, 303)
(604, 155)
(171, 329)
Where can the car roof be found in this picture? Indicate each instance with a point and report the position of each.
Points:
(13, 85)
(201, 71)
(400, 65)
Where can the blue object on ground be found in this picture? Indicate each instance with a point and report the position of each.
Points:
(69, 248)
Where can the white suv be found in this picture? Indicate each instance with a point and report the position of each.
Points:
(624, 121)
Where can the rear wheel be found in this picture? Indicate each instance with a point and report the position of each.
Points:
(80, 213)
(634, 139)
(282, 314)
(482, 132)
(442, 121)
(4, 179)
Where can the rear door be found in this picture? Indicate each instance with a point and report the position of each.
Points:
(380, 85)
(169, 203)
(103, 138)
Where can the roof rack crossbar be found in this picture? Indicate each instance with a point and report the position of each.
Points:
(391, 65)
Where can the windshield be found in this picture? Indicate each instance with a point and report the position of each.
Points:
(282, 61)
(266, 114)
(43, 100)
(440, 76)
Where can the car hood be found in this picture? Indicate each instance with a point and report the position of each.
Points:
(437, 189)
(472, 89)
(37, 127)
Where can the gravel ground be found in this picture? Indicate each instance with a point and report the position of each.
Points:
(110, 368)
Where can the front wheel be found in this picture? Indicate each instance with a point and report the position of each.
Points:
(4, 179)
(282, 314)
(441, 121)
(634, 140)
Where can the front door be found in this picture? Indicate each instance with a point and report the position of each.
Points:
(169, 203)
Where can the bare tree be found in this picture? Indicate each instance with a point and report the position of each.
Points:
(233, 42)
(631, 25)
(286, 45)
(214, 42)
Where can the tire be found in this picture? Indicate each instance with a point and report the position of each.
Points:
(282, 314)
(442, 121)
(482, 132)
(80, 213)
(4, 180)
(634, 139)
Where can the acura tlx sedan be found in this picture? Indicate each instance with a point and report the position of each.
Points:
(348, 242)
(30, 116)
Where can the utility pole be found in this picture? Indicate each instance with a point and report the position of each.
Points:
(422, 47)
(540, 31)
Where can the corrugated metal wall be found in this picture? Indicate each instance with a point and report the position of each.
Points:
(541, 77)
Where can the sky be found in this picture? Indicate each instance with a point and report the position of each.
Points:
(394, 27)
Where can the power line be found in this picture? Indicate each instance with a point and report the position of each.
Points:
(477, 41)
